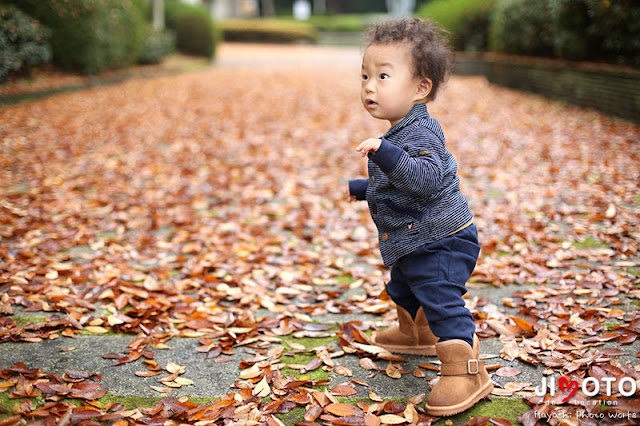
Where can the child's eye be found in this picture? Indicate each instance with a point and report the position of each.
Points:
(365, 77)
(384, 76)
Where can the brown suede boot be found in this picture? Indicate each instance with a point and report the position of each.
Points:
(409, 336)
(464, 379)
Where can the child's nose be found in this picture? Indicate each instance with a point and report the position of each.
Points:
(369, 86)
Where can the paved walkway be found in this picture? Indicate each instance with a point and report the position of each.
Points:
(212, 378)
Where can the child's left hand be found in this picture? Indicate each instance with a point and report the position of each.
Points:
(369, 145)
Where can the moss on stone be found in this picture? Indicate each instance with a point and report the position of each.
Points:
(589, 242)
(500, 408)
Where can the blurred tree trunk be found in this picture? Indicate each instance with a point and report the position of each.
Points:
(158, 15)
(335, 6)
(319, 6)
(400, 8)
(268, 9)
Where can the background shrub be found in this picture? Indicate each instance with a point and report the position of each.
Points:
(90, 36)
(339, 23)
(23, 41)
(157, 45)
(522, 27)
(615, 27)
(268, 30)
(466, 20)
(195, 31)
(568, 29)
(569, 20)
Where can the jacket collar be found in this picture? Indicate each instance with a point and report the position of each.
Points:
(417, 112)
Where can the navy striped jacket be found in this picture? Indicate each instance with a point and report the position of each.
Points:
(413, 190)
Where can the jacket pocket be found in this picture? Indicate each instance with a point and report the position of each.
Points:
(415, 214)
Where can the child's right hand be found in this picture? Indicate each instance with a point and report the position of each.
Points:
(350, 198)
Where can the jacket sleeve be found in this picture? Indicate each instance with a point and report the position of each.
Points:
(358, 187)
(420, 174)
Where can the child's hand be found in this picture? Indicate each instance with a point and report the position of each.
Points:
(370, 145)
(350, 198)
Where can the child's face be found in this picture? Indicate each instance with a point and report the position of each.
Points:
(389, 89)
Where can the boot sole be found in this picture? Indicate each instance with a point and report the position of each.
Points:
(427, 350)
(450, 410)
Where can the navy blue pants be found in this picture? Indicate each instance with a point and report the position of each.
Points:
(434, 277)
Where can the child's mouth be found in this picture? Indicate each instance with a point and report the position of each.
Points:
(370, 103)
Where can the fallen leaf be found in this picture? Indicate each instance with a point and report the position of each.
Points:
(342, 410)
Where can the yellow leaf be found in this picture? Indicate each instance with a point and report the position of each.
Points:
(113, 320)
(183, 381)
(96, 329)
(297, 346)
(411, 414)
(375, 397)
(262, 389)
(251, 372)
(392, 419)
(172, 367)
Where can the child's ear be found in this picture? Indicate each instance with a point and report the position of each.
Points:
(424, 88)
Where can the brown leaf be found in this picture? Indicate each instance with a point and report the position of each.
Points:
(343, 390)
(313, 412)
(367, 364)
(342, 410)
(313, 364)
(393, 371)
(417, 399)
(343, 371)
(508, 372)
(372, 420)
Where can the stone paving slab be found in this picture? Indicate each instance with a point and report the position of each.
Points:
(210, 378)
(213, 379)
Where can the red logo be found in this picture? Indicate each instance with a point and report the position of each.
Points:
(565, 385)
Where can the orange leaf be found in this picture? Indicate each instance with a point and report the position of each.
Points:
(342, 410)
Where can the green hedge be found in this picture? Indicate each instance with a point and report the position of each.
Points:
(569, 29)
(522, 27)
(339, 23)
(24, 42)
(157, 45)
(196, 32)
(467, 21)
(268, 30)
(91, 35)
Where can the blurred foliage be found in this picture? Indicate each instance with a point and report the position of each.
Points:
(339, 23)
(522, 27)
(467, 21)
(24, 42)
(339, 7)
(268, 30)
(195, 31)
(569, 29)
(90, 36)
(157, 45)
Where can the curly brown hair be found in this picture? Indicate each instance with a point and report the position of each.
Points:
(431, 54)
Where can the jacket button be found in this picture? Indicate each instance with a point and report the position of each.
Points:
(371, 180)
(374, 209)
(385, 236)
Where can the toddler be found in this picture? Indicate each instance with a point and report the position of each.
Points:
(425, 227)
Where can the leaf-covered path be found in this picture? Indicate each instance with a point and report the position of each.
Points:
(210, 206)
